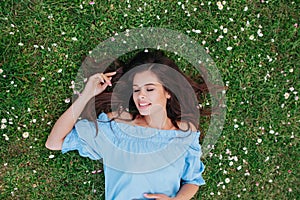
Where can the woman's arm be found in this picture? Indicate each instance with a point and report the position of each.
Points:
(95, 85)
(186, 192)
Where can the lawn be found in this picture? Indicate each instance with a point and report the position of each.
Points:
(254, 44)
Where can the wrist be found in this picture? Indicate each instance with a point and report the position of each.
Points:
(85, 95)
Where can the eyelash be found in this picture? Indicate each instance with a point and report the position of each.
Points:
(148, 90)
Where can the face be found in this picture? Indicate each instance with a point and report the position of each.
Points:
(148, 94)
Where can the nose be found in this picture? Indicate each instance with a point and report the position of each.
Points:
(141, 94)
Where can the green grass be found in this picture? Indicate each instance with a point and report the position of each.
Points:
(258, 73)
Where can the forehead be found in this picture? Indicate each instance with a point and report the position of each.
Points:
(143, 78)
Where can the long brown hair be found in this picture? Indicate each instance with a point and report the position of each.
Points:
(181, 107)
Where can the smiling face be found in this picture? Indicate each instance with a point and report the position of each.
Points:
(149, 95)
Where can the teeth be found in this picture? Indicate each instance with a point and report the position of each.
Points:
(144, 104)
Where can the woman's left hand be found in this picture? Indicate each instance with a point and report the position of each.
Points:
(157, 196)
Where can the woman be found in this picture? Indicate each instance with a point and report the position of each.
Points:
(148, 137)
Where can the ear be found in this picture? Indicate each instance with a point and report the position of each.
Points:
(168, 96)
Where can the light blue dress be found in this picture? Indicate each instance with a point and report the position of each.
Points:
(138, 159)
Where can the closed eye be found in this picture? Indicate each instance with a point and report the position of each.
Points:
(150, 89)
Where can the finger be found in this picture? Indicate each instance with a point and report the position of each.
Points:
(106, 79)
(110, 73)
(100, 77)
(153, 196)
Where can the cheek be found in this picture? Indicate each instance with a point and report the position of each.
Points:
(134, 97)
(161, 98)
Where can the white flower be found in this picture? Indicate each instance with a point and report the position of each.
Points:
(220, 7)
(235, 158)
(59, 71)
(267, 159)
(251, 37)
(3, 121)
(259, 140)
(20, 44)
(227, 180)
(25, 135)
(6, 138)
(51, 156)
(247, 23)
(225, 30)
(246, 9)
(286, 95)
(3, 126)
(229, 48)
(67, 100)
(259, 33)
(74, 38)
(239, 168)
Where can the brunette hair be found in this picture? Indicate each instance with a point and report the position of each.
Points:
(181, 107)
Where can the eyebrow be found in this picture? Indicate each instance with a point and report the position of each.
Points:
(148, 84)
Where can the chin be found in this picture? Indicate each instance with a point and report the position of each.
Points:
(144, 113)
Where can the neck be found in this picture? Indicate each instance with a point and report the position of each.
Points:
(159, 121)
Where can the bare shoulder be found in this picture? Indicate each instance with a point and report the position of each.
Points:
(124, 115)
(187, 125)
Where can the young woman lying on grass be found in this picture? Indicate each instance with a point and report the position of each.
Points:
(146, 129)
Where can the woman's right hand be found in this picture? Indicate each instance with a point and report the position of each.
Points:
(97, 83)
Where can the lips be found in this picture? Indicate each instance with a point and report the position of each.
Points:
(144, 105)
